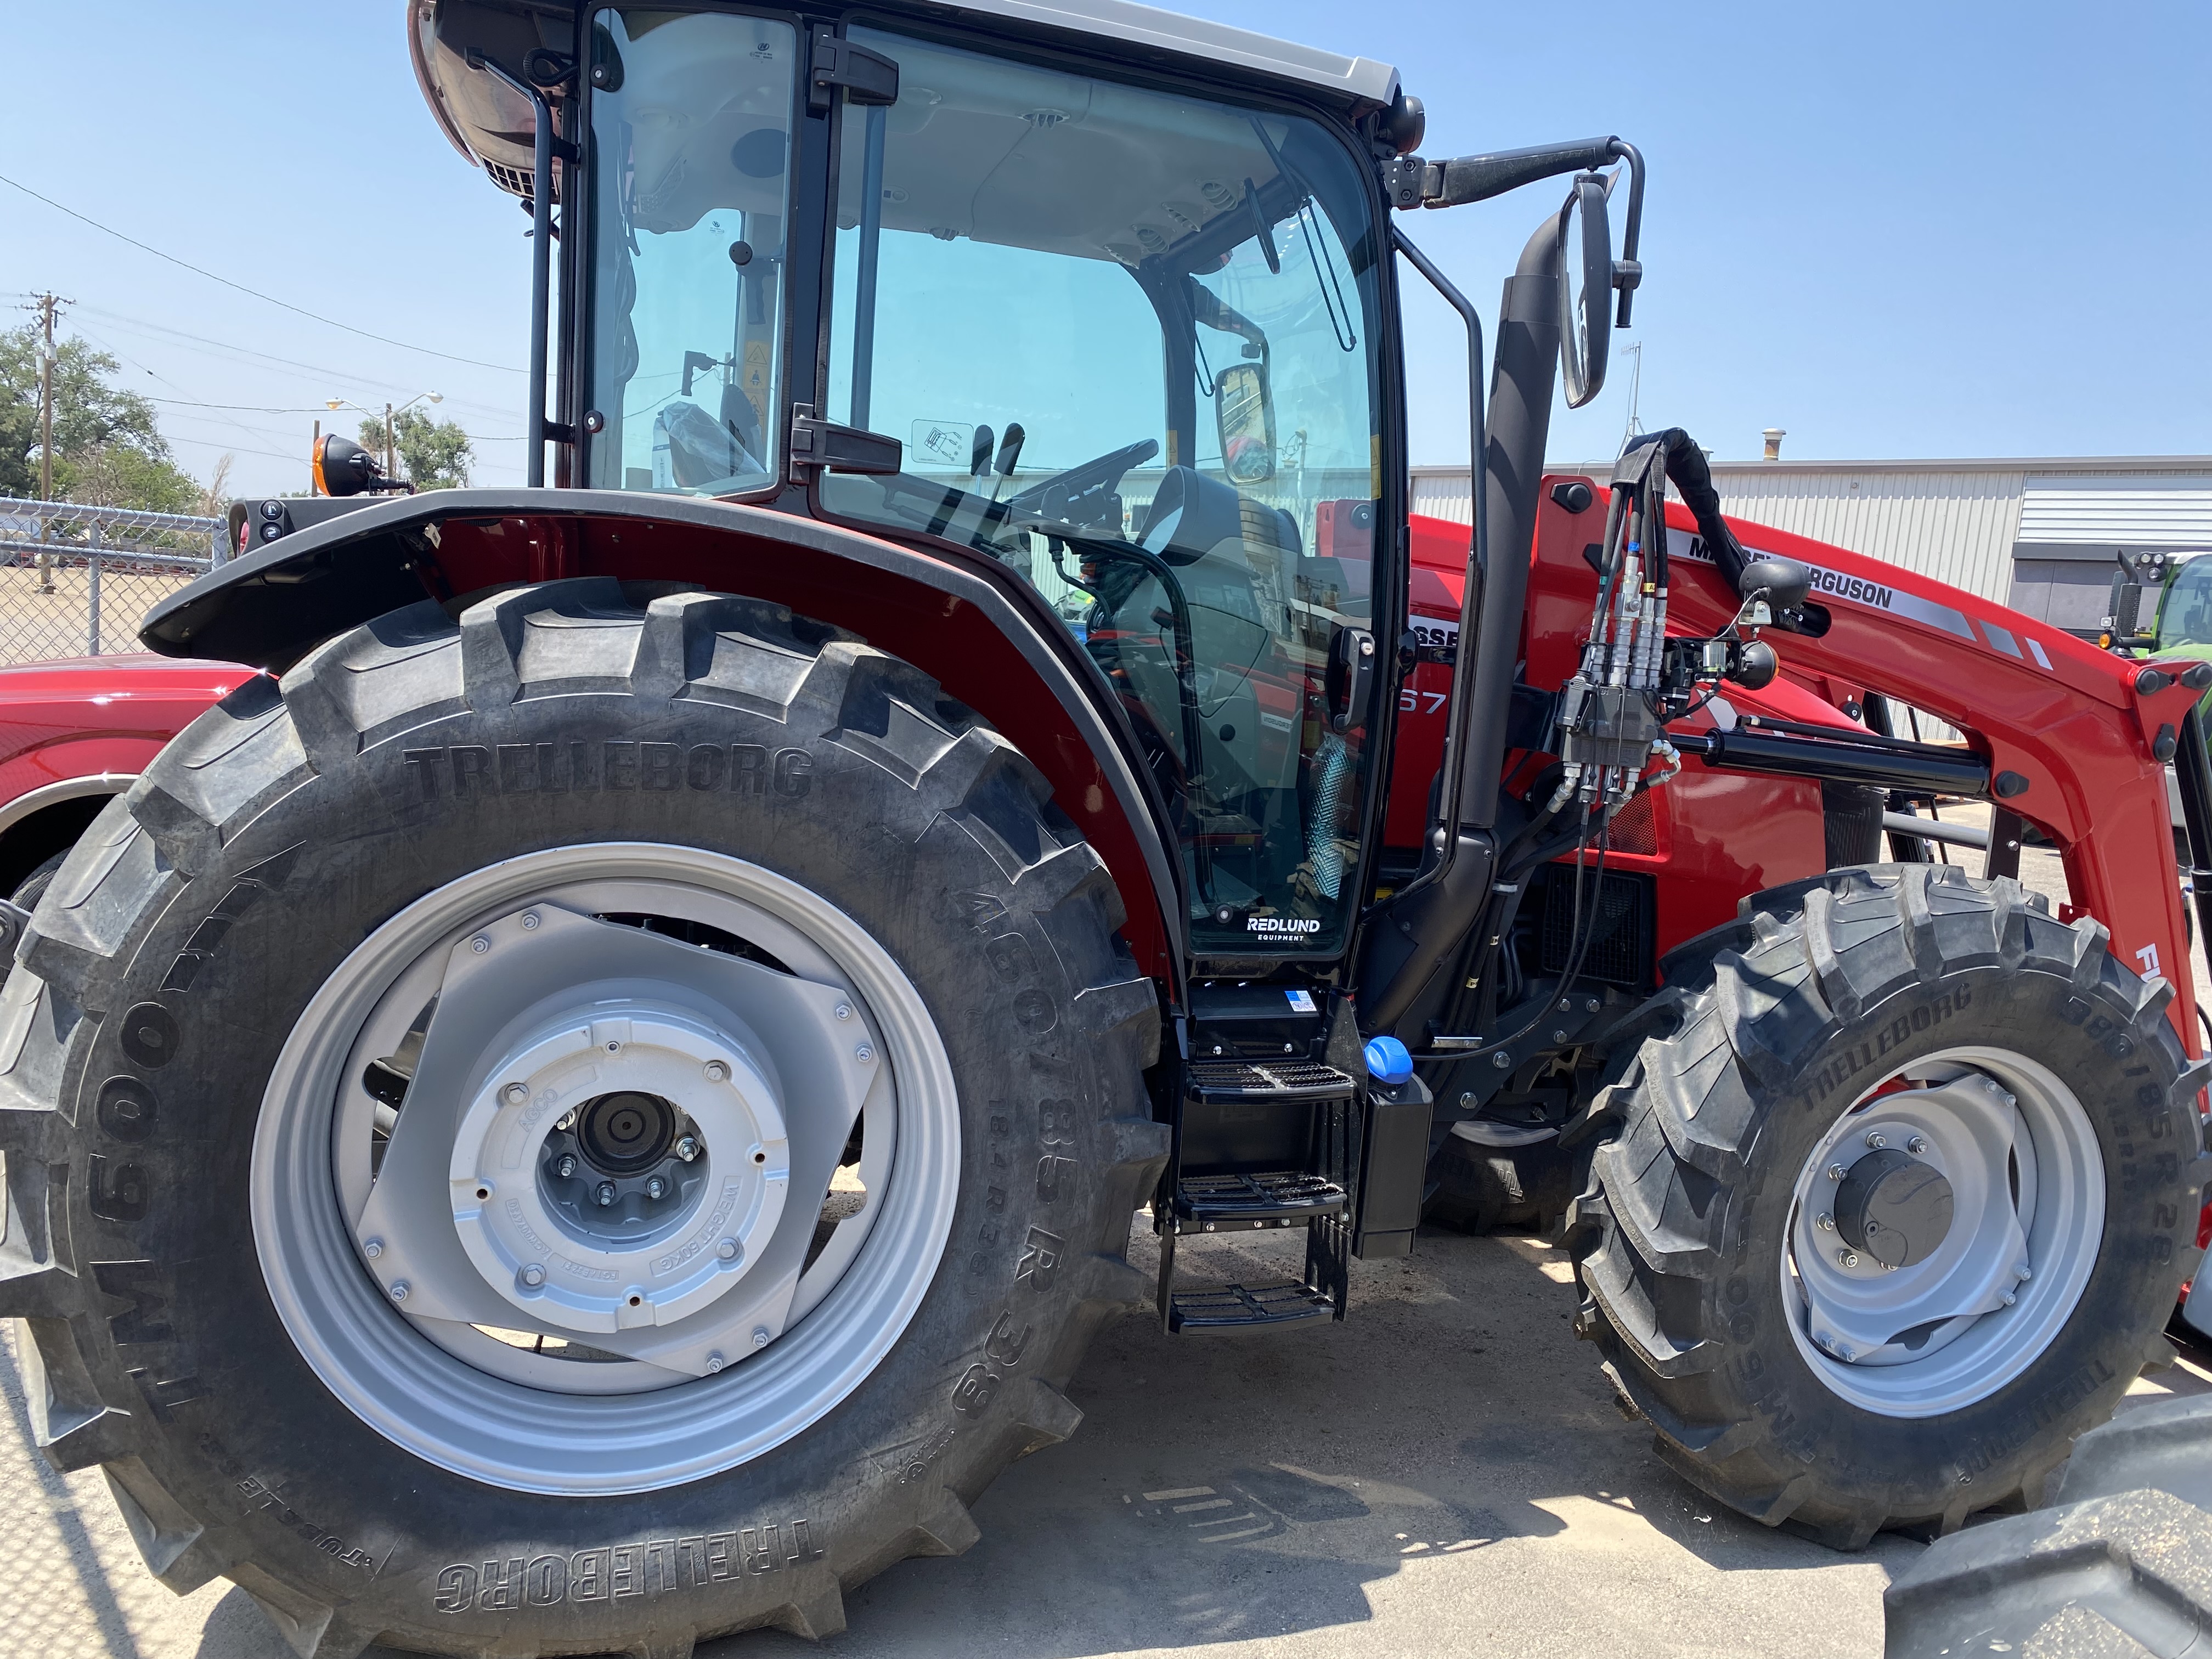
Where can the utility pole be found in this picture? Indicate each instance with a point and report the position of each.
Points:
(48, 305)
(387, 441)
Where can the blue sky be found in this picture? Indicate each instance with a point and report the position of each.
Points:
(1896, 231)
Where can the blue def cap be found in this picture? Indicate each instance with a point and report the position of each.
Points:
(1387, 1060)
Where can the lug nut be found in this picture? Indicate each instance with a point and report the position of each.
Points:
(533, 1275)
(605, 1194)
(715, 1362)
(398, 1290)
(843, 1010)
(727, 1249)
(373, 1248)
(656, 1187)
(1876, 1140)
(1836, 1172)
(1502, 1060)
(717, 1071)
(687, 1147)
(614, 1047)
(566, 1169)
(1827, 1224)
(1917, 1145)
(760, 1336)
(864, 1053)
(1467, 1099)
(529, 922)
(2008, 1299)
(2023, 1272)
(1847, 1258)
(480, 944)
(515, 1094)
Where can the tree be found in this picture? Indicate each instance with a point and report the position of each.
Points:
(434, 454)
(108, 450)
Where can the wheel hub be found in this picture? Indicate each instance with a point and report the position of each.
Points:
(1894, 1207)
(619, 1232)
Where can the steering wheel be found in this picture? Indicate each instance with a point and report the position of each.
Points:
(1062, 497)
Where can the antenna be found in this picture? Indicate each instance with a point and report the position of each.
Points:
(1635, 386)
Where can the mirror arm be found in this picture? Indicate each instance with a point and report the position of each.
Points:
(1413, 182)
(1443, 833)
(1627, 273)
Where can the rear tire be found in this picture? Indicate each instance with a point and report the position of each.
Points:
(169, 965)
(1485, 1189)
(2121, 1564)
(1700, 1262)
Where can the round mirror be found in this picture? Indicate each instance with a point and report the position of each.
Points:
(1585, 289)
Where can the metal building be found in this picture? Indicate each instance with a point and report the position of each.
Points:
(2038, 535)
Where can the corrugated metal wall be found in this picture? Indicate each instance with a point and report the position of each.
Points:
(2124, 509)
(1958, 527)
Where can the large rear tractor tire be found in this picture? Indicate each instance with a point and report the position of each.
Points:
(1897, 1201)
(2120, 1567)
(571, 1132)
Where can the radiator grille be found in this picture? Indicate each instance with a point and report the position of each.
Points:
(1618, 917)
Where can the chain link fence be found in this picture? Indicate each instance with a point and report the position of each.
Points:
(75, 580)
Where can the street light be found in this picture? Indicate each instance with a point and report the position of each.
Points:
(389, 414)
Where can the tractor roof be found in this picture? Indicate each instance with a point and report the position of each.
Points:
(489, 125)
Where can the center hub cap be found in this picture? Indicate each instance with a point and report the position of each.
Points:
(1894, 1207)
(620, 1170)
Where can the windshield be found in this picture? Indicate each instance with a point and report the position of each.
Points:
(1127, 339)
(691, 129)
(2185, 616)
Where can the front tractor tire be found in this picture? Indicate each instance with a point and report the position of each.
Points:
(574, 1131)
(1897, 1197)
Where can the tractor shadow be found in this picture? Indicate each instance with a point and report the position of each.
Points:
(1438, 1469)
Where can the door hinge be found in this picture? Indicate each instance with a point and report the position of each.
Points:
(825, 444)
(868, 78)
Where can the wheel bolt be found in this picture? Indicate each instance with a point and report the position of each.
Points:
(727, 1249)
(843, 1010)
(480, 944)
(1836, 1172)
(533, 1275)
(717, 1071)
(567, 1167)
(1827, 1224)
(1847, 1258)
(529, 922)
(516, 1093)
(687, 1148)
(1917, 1145)
(373, 1248)
(1503, 1060)
(715, 1362)
(2023, 1272)
(2008, 1299)
(864, 1053)
(656, 1187)
(760, 1336)
(605, 1194)
(1876, 1140)
(398, 1290)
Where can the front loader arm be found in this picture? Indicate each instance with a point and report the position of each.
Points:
(2076, 740)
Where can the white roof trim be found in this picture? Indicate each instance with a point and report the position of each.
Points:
(1123, 21)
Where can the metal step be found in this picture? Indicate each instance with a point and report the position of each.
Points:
(1242, 1203)
(1234, 1309)
(1220, 1082)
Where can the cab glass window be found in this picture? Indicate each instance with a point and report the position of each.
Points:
(691, 120)
(1127, 339)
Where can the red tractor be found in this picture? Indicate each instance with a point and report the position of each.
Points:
(600, 1100)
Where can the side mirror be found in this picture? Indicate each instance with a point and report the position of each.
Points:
(2139, 574)
(1244, 416)
(1585, 289)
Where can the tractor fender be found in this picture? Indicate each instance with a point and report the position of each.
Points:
(971, 623)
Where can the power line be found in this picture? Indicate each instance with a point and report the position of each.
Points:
(267, 298)
(262, 358)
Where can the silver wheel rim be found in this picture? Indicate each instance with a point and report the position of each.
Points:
(647, 1352)
(2027, 1182)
